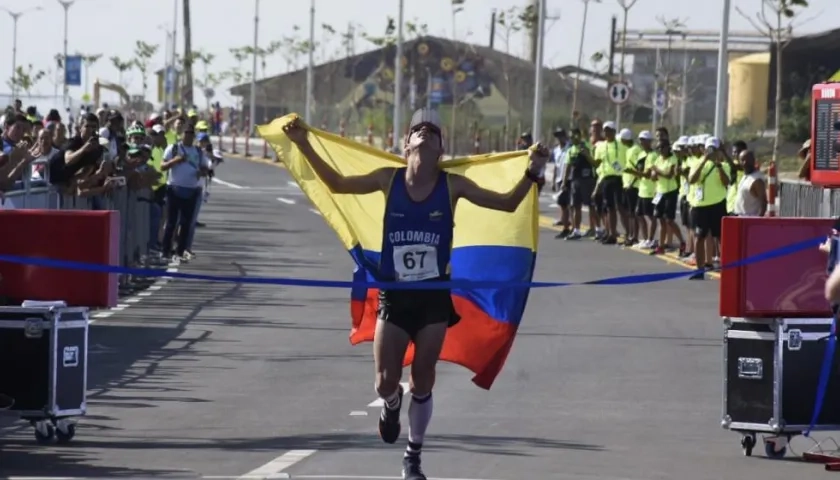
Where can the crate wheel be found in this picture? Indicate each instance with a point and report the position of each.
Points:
(65, 434)
(771, 451)
(747, 444)
(44, 433)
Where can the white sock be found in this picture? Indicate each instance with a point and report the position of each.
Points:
(419, 416)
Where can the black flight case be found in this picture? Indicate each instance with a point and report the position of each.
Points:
(43, 349)
(770, 377)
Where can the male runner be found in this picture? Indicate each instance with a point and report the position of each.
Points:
(416, 246)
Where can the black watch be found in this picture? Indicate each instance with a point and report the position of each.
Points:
(531, 176)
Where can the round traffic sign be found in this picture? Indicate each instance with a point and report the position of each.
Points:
(619, 92)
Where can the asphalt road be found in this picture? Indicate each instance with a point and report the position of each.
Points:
(223, 380)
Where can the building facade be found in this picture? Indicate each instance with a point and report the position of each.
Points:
(675, 72)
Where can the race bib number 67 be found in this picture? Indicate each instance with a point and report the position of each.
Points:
(413, 263)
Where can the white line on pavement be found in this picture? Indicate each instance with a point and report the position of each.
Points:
(276, 466)
(293, 184)
(228, 184)
(133, 300)
(287, 201)
(371, 477)
(316, 212)
(379, 402)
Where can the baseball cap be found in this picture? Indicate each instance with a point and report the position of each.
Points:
(134, 150)
(712, 142)
(158, 128)
(683, 140)
(625, 134)
(202, 136)
(645, 135)
(425, 115)
(610, 125)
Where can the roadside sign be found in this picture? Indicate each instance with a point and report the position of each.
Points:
(619, 92)
(660, 100)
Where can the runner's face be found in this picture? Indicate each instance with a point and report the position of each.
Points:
(426, 135)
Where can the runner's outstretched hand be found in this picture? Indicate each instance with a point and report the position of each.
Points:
(295, 131)
(538, 156)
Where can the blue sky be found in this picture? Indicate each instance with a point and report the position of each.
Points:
(100, 26)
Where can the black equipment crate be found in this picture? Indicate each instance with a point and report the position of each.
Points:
(44, 349)
(771, 372)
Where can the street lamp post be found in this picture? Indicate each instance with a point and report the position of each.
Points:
(536, 129)
(310, 66)
(398, 79)
(722, 73)
(15, 16)
(66, 4)
(252, 112)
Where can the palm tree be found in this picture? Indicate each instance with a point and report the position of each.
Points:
(187, 95)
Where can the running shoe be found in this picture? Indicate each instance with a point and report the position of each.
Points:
(389, 421)
(411, 468)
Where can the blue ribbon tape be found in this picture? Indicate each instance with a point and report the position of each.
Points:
(452, 284)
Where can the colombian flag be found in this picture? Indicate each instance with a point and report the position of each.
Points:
(488, 245)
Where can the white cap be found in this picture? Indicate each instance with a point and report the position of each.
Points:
(645, 135)
(610, 125)
(104, 133)
(153, 117)
(158, 128)
(712, 142)
(683, 140)
(625, 134)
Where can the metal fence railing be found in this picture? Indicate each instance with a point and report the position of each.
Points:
(134, 207)
(798, 198)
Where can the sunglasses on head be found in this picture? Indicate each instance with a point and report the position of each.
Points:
(429, 126)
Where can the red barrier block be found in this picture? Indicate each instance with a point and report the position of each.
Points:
(74, 235)
(789, 286)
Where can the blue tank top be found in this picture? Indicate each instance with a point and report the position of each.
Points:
(417, 236)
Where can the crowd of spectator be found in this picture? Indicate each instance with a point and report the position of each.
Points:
(679, 188)
(168, 157)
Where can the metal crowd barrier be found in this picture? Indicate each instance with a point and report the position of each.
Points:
(798, 198)
(134, 207)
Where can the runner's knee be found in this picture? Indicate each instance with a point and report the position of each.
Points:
(387, 383)
(422, 380)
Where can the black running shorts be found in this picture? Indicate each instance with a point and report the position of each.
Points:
(667, 206)
(612, 192)
(644, 208)
(582, 191)
(707, 219)
(411, 310)
(631, 199)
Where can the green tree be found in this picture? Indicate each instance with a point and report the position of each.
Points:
(122, 67)
(795, 125)
(143, 53)
(25, 79)
(775, 20)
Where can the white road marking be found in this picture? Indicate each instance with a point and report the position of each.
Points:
(133, 300)
(358, 413)
(379, 402)
(287, 201)
(316, 212)
(228, 184)
(293, 184)
(370, 477)
(276, 466)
